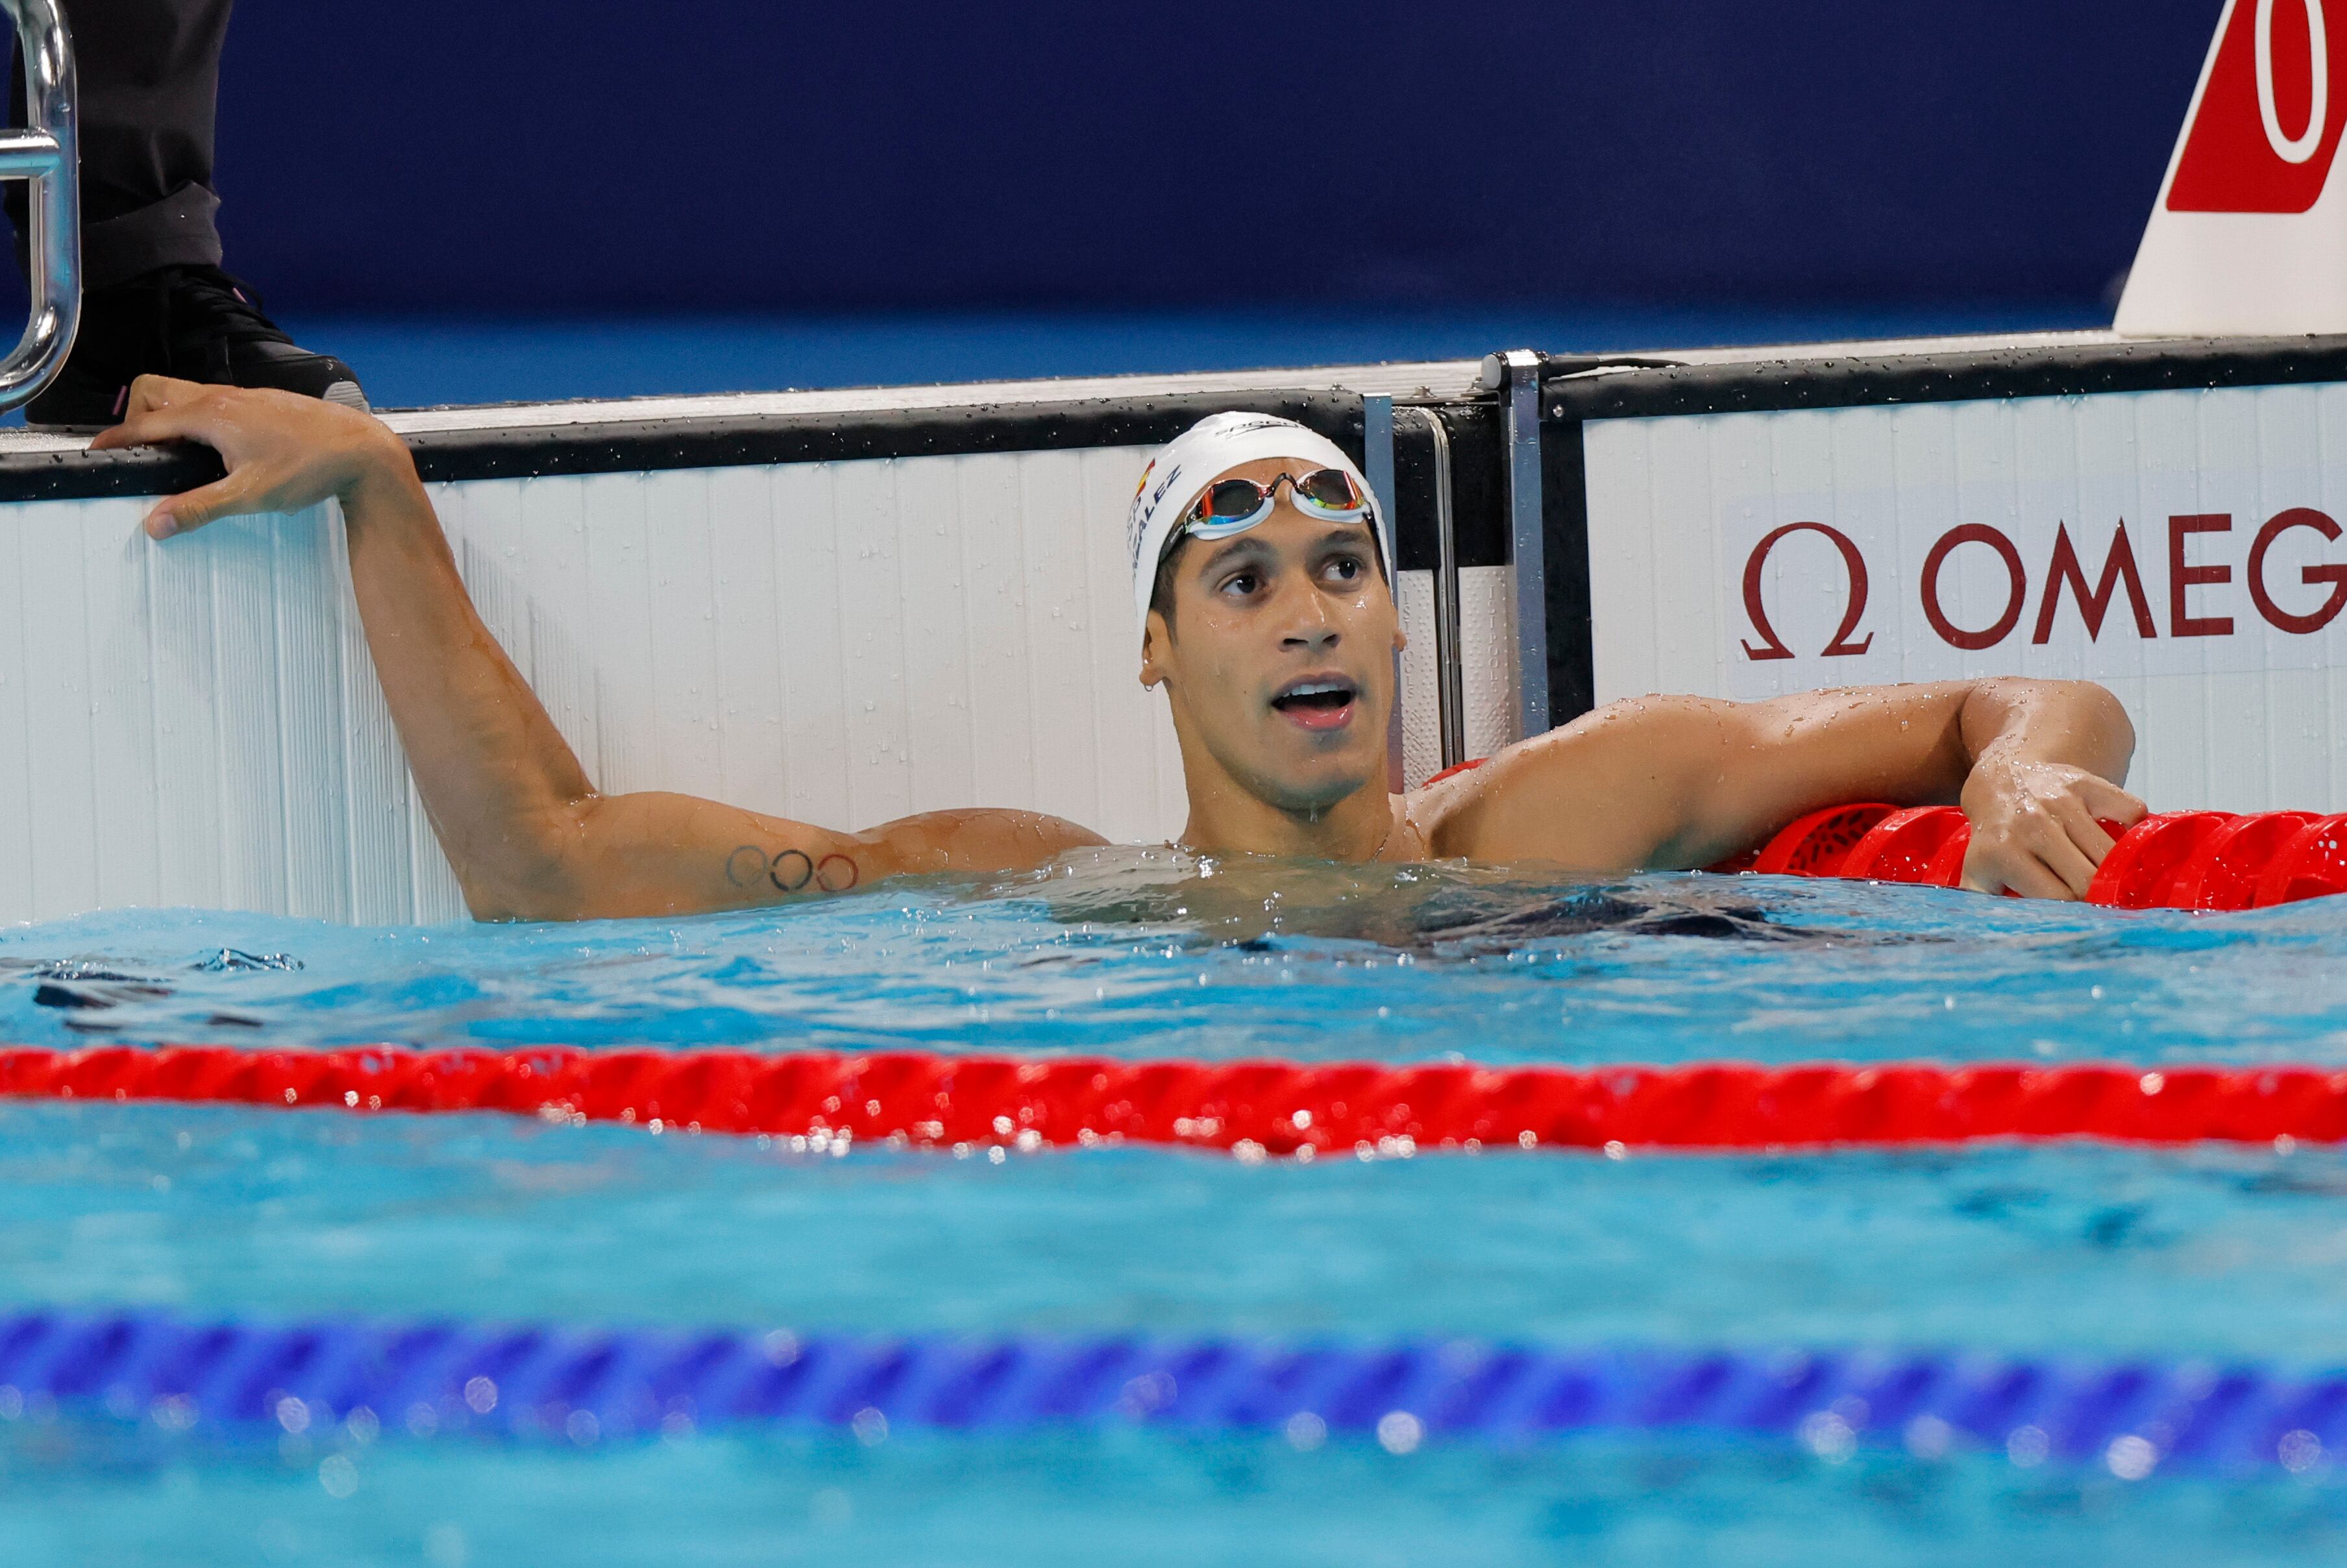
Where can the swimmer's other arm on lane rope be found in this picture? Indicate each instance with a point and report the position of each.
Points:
(530, 836)
(1684, 782)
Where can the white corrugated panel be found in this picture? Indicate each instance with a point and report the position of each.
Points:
(1487, 646)
(2233, 707)
(199, 723)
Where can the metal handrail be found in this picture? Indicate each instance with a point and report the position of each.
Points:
(1450, 685)
(44, 152)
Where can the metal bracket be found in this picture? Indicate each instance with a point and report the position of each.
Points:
(45, 153)
(1451, 694)
(1378, 467)
(1520, 371)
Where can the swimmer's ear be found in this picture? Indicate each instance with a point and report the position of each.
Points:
(1156, 635)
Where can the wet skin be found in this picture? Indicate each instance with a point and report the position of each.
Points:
(1277, 661)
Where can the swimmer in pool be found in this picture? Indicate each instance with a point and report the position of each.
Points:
(1260, 583)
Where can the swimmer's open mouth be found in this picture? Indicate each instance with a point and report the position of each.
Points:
(1317, 701)
(1326, 695)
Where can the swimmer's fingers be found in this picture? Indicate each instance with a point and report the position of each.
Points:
(1991, 871)
(2035, 858)
(283, 451)
(2055, 835)
(2079, 813)
(2078, 826)
(243, 491)
(2059, 850)
(2036, 829)
(2102, 801)
(160, 409)
(2024, 841)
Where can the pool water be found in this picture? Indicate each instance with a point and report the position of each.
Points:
(2215, 1255)
(1132, 952)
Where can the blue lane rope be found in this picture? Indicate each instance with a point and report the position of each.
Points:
(536, 1382)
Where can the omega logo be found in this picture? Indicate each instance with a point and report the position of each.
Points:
(1853, 562)
(2192, 584)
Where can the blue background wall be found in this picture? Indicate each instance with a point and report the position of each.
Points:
(574, 156)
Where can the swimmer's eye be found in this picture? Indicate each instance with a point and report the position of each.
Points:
(1346, 569)
(1240, 585)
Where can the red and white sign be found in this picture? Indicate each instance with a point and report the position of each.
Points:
(2249, 233)
(2263, 135)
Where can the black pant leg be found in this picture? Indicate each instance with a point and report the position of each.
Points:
(149, 74)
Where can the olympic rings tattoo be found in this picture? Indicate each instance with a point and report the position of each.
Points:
(790, 870)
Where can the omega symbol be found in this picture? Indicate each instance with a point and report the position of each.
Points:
(1853, 563)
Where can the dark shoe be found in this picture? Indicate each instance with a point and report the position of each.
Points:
(194, 323)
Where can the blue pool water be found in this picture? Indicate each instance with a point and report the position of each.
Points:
(2216, 1254)
(1126, 952)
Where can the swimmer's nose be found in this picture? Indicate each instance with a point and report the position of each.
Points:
(1308, 625)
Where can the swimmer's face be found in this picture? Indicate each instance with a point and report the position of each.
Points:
(1278, 655)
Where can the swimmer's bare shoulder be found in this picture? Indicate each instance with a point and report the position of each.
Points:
(1598, 795)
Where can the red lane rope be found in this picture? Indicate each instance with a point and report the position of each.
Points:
(2181, 860)
(1250, 1108)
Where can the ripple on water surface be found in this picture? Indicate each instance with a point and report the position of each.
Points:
(1152, 954)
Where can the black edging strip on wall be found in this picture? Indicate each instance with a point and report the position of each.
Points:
(1570, 394)
(721, 442)
(2053, 371)
(1565, 523)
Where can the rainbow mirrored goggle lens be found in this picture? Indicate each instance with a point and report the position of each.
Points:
(1234, 506)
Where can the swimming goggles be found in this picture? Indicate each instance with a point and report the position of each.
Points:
(1234, 506)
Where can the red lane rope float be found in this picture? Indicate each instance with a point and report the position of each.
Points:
(2146, 859)
(2223, 873)
(2311, 866)
(1250, 1108)
(1923, 844)
(1821, 844)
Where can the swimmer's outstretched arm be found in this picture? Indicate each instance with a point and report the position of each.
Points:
(1679, 781)
(530, 836)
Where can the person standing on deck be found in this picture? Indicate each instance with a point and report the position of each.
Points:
(154, 298)
(1260, 565)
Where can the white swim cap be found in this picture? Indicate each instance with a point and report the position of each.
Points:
(1186, 464)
